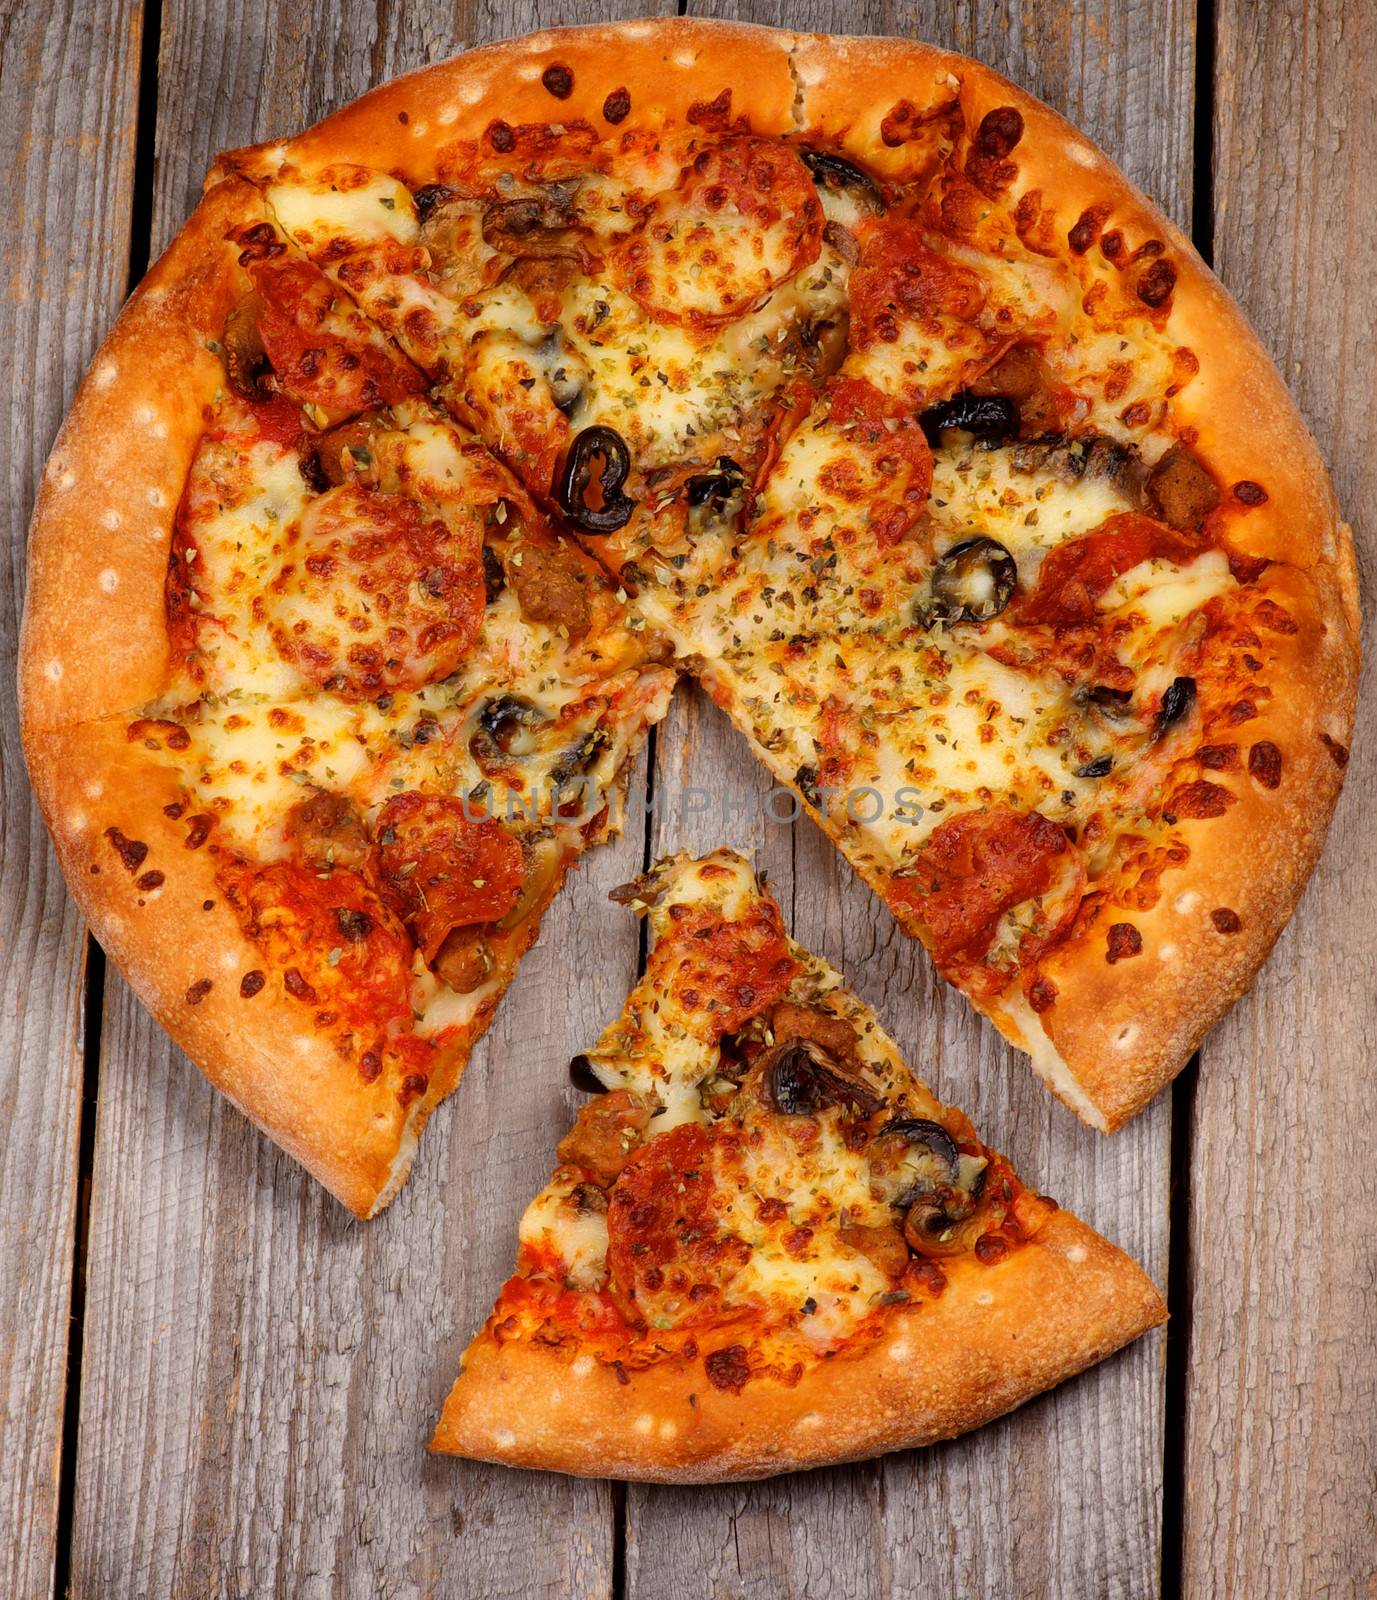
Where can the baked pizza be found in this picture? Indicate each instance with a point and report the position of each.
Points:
(767, 1245)
(839, 374)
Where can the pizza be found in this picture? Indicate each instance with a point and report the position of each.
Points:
(838, 374)
(766, 1245)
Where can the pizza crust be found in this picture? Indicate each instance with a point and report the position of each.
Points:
(996, 1337)
(94, 639)
(185, 954)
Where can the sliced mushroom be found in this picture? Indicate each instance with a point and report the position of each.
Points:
(578, 761)
(1089, 458)
(544, 859)
(973, 581)
(993, 418)
(911, 1156)
(838, 176)
(246, 360)
(504, 724)
(933, 1229)
(800, 1080)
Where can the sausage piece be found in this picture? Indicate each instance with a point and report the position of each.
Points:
(1021, 375)
(325, 830)
(836, 1036)
(552, 587)
(605, 1134)
(1181, 490)
(884, 1246)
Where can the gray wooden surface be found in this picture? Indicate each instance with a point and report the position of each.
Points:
(258, 1373)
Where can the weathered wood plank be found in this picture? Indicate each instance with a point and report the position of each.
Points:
(261, 1372)
(69, 82)
(1281, 1451)
(1065, 1497)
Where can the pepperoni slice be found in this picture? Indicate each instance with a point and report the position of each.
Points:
(323, 352)
(375, 594)
(334, 941)
(446, 868)
(886, 463)
(669, 1256)
(1076, 574)
(725, 972)
(744, 218)
(900, 280)
(972, 869)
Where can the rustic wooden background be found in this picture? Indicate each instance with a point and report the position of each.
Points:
(214, 1383)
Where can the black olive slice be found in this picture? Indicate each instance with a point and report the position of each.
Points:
(582, 1076)
(1100, 767)
(833, 172)
(972, 582)
(800, 1082)
(716, 495)
(501, 723)
(572, 485)
(988, 416)
(1176, 703)
(715, 488)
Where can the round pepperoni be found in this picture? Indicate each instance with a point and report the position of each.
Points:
(727, 971)
(883, 463)
(744, 218)
(1074, 575)
(669, 1255)
(972, 869)
(322, 351)
(900, 280)
(376, 595)
(335, 943)
(448, 869)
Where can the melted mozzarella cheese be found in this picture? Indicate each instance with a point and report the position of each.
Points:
(577, 1235)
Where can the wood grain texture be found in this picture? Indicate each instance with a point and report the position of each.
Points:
(1064, 1498)
(1281, 1448)
(262, 1373)
(68, 82)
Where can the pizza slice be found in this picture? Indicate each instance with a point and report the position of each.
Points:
(378, 706)
(1014, 623)
(766, 1244)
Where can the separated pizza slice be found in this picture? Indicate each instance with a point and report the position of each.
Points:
(767, 1245)
(350, 710)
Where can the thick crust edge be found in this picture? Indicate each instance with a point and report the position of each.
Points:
(996, 1337)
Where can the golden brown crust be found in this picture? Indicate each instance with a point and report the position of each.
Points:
(996, 1337)
(186, 956)
(94, 640)
(673, 70)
